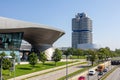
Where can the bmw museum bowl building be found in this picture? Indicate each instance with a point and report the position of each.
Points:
(41, 37)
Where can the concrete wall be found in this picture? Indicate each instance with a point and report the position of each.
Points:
(48, 49)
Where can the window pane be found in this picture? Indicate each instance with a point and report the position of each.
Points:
(10, 41)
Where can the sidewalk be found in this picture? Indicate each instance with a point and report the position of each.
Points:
(41, 72)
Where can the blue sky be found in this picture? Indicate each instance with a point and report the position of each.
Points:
(58, 13)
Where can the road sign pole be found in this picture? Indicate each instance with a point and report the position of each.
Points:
(66, 68)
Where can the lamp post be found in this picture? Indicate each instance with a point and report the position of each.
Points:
(0, 68)
(12, 68)
(66, 67)
(67, 53)
(88, 58)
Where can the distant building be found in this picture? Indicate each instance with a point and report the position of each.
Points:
(82, 32)
(88, 46)
(63, 48)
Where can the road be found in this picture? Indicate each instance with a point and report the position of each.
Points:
(96, 77)
(58, 74)
(115, 75)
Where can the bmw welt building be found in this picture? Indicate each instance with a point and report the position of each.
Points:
(41, 37)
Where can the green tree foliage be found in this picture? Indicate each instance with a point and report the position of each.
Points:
(2, 54)
(42, 57)
(57, 55)
(106, 52)
(68, 52)
(79, 52)
(101, 55)
(6, 63)
(92, 56)
(72, 51)
(13, 54)
(114, 54)
(117, 51)
(33, 59)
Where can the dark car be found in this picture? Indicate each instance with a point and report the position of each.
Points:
(100, 73)
(81, 78)
(105, 70)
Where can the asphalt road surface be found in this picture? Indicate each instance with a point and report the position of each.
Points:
(58, 74)
(96, 76)
(115, 75)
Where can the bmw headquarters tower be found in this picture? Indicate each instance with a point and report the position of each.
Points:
(82, 32)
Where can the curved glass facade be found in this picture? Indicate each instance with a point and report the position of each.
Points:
(10, 41)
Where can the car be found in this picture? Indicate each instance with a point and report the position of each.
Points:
(105, 70)
(92, 72)
(96, 69)
(100, 73)
(81, 78)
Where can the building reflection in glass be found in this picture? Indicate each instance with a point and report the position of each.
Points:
(10, 41)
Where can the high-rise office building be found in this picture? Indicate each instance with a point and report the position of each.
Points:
(81, 30)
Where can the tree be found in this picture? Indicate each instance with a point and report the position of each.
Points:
(68, 52)
(117, 51)
(6, 63)
(72, 51)
(105, 52)
(92, 56)
(42, 57)
(108, 52)
(114, 54)
(100, 54)
(2, 54)
(79, 52)
(33, 59)
(57, 55)
(12, 54)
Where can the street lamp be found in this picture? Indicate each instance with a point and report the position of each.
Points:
(67, 53)
(0, 68)
(13, 66)
(66, 67)
(88, 59)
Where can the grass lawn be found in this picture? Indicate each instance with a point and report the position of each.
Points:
(27, 68)
(76, 57)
